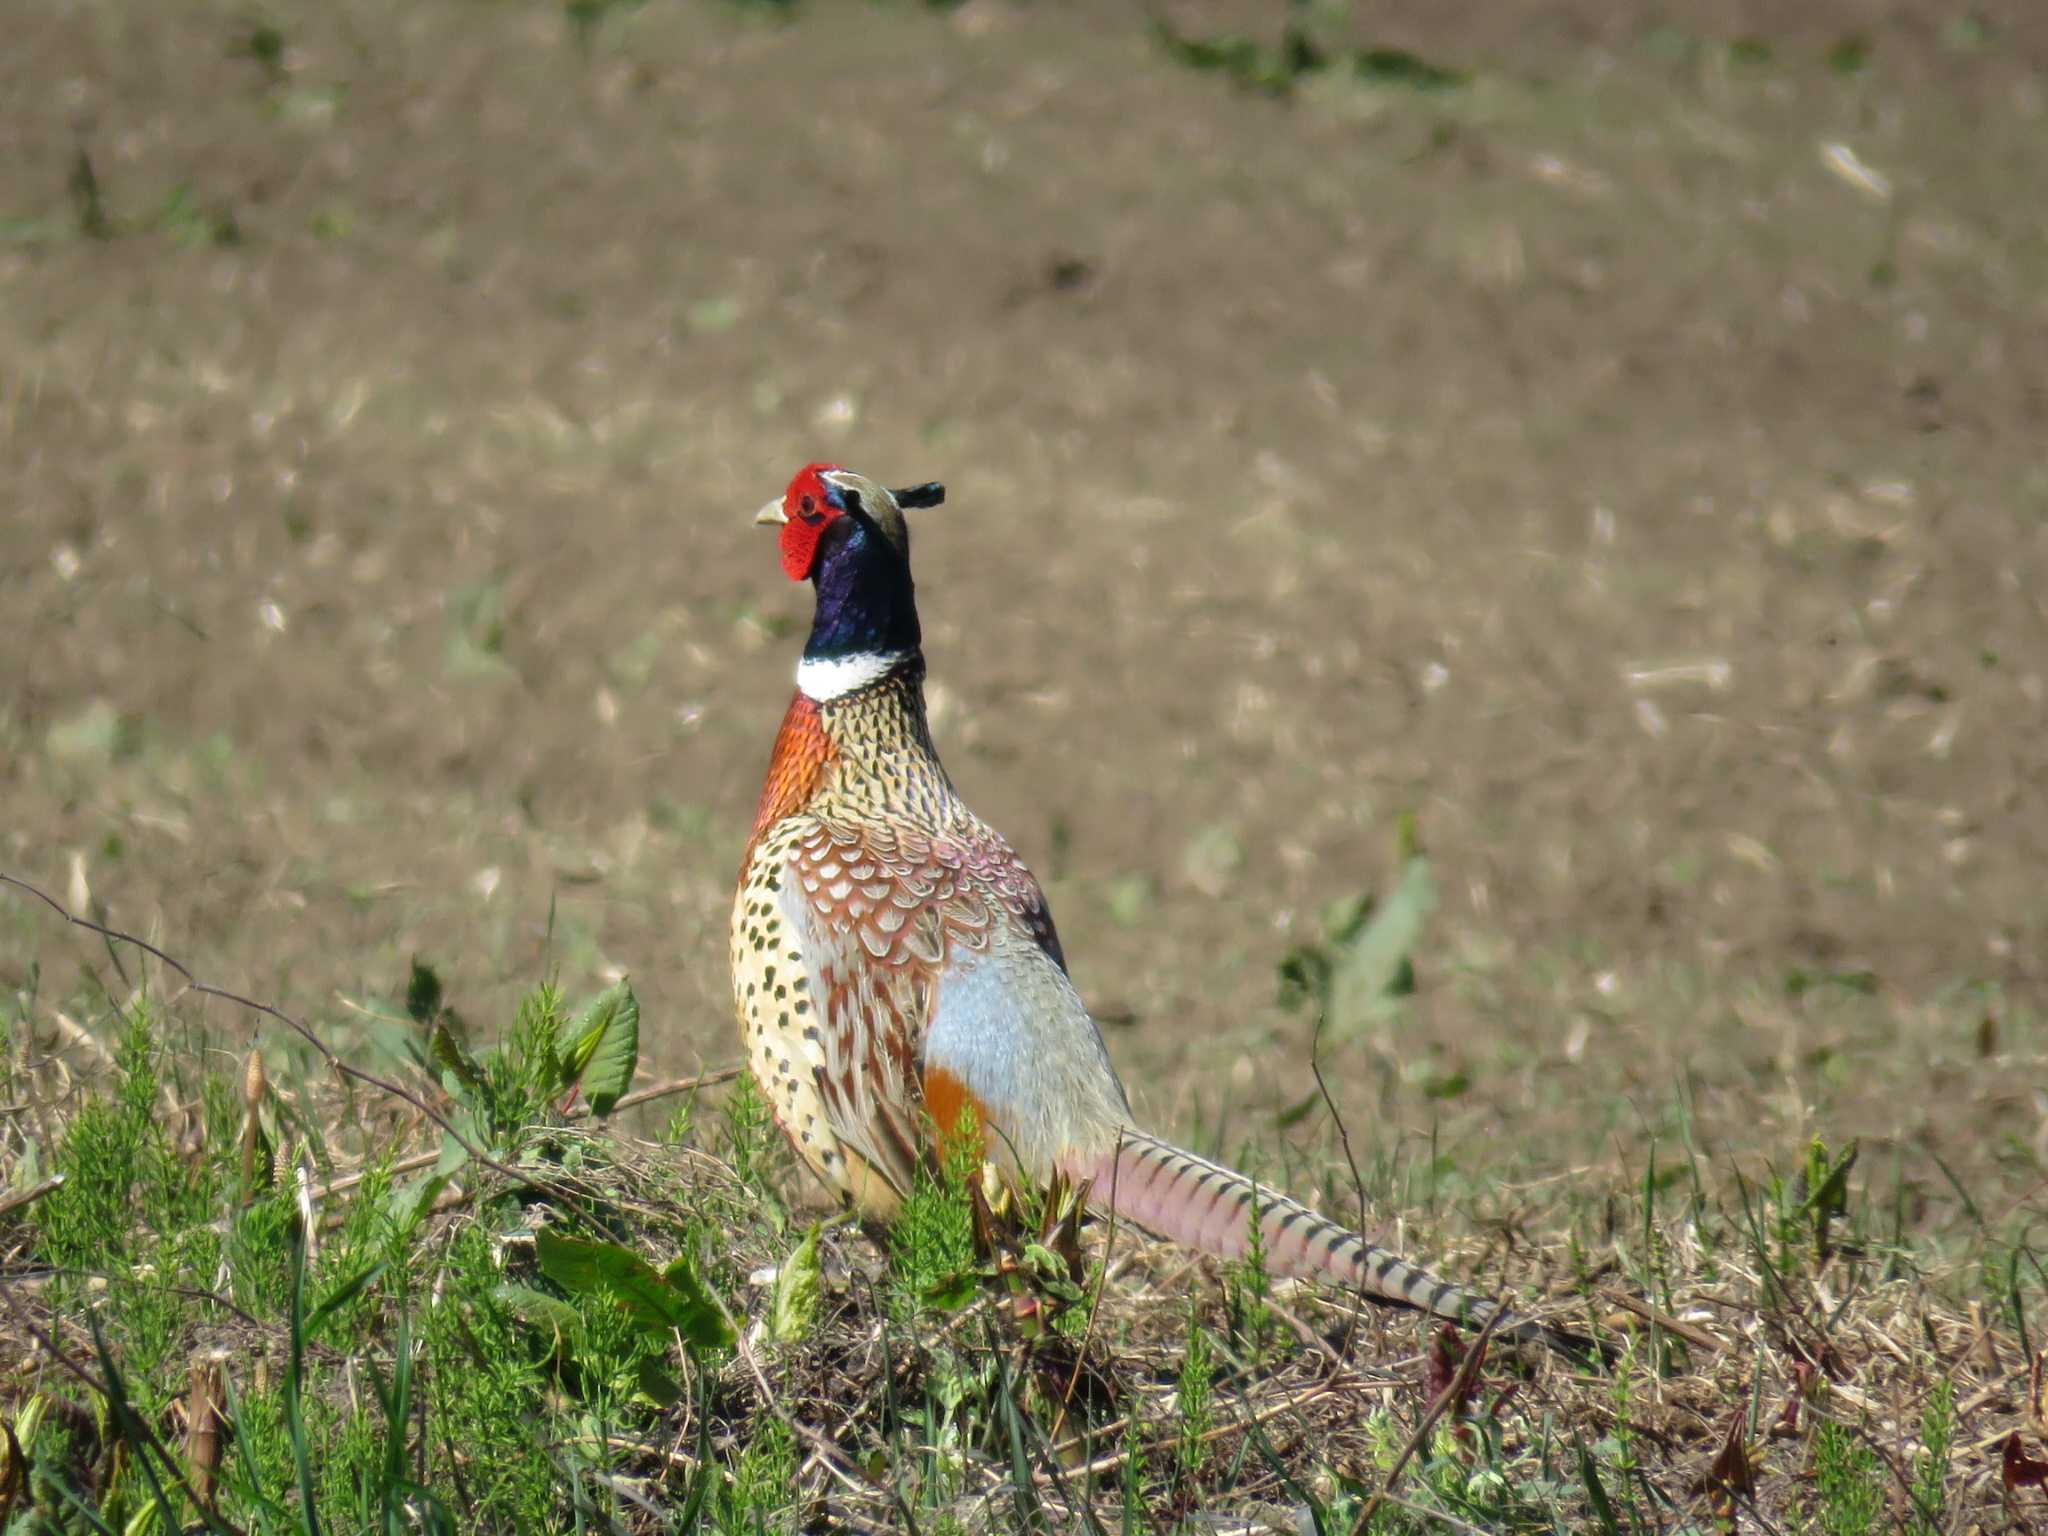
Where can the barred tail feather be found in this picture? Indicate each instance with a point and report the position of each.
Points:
(1208, 1207)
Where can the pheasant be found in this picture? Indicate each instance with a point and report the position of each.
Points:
(896, 973)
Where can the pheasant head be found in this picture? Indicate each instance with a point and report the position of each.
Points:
(845, 534)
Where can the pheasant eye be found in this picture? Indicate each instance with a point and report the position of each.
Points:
(808, 509)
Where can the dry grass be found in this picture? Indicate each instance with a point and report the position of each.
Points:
(1781, 1353)
(1725, 1347)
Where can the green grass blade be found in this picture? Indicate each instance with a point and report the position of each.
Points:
(83, 1510)
(143, 1444)
(1596, 1492)
(343, 1294)
(1023, 1492)
(294, 1393)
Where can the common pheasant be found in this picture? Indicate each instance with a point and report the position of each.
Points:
(895, 967)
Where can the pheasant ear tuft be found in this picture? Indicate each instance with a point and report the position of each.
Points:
(930, 494)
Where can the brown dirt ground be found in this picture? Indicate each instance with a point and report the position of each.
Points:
(1573, 459)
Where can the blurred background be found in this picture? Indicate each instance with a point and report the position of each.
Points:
(1615, 436)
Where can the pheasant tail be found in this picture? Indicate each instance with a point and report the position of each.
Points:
(1209, 1207)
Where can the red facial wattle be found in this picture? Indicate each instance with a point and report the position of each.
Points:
(810, 505)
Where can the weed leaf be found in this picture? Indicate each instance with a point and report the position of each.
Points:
(1397, 66)
(656, 1383)
(796, 1292)
(951, 1292)
(538, 1309)
(459, 1071)
(1372, 969)
(656, 1300)
(13, 1473)
(1830, 1197)
(606, 1051)
(423, 993)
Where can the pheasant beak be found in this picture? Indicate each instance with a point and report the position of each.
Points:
(771, 515)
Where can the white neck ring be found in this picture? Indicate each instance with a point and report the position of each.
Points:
(825, 678)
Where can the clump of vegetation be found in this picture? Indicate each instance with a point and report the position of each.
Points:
(474, 1300)
(1301, 52)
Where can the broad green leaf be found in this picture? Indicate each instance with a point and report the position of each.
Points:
(796, 1292)
(454, 1154)
(1291, 1116)
(1447, 1085)
(656, 1300)
(1050, 1272)
(455, 1061)
(708, 1327)
(655, 1384)
(1372, 970)
(539, 1309)
(1396, 66)
(408, 1202)
(423, 993)
(1305, 977)
(1830, 1195)
(953, 1292)
(606, 1050)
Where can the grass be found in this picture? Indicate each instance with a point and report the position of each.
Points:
(311, 1308)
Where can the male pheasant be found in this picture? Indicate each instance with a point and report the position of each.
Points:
(895, 967)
